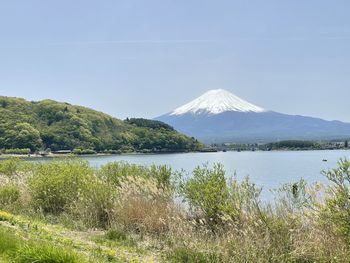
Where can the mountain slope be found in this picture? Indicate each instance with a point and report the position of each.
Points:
(220, 117)
(61, 126)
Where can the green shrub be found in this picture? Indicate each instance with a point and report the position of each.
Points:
(116, 172)
(8, 195)
(71, 186)
(56, 185)
(162, 174)
(10, 167)
(336, 211)
(214, 197)
(188, 255)
(95, 204)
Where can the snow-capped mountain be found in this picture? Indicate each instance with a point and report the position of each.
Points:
(215, 102)
(220, 116)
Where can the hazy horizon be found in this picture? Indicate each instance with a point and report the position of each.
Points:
(137, 59)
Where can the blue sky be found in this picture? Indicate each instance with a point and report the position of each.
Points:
(144, 58)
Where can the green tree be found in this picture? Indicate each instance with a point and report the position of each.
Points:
(23, 135)
(346, 144)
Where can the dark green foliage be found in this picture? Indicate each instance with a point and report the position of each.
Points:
(61, 126)
(346, 144)
(83, 151)
(139, 122)
(156, 136)
(292, 144)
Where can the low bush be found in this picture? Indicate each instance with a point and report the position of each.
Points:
(214, 198)
(336, 211)
(8, 195)
(143, 207)
(10, 167)
(95, 206)
(56, 185)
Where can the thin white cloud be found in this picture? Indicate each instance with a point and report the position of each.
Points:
(142, 41)
(194, 41)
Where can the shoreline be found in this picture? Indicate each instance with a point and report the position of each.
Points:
(38, 156)
(53, 155)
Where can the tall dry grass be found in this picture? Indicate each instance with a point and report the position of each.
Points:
(221, 220)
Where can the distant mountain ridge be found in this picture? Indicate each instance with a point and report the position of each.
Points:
(61, 126)
(220, 116)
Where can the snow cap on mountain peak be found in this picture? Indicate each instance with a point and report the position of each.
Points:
(215, 102)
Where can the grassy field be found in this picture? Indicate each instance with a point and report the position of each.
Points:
(68, 211)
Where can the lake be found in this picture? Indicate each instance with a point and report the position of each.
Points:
(267, 169)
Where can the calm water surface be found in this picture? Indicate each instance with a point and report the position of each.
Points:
(266, 169)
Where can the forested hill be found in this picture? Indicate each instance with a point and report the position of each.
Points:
(62, 126)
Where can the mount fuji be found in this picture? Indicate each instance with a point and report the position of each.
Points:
(220, 116)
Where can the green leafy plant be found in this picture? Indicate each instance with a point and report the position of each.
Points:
(10, 167)
(55, 185)
(8, 195)
(216, 198)
(336, 211)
